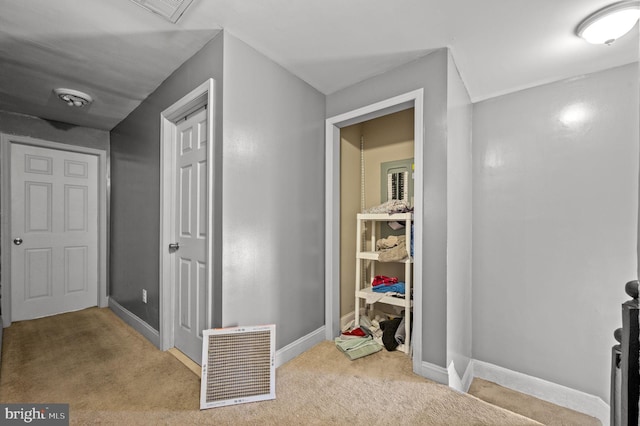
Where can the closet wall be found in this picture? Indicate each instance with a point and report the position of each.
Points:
(386, 138)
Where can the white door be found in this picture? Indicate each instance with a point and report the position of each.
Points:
(54, 229)
(190, 221)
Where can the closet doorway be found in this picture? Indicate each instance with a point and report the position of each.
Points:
(362, 146)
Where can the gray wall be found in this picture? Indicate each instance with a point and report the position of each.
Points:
(459, 218)
(430, 73)
(273, 196)
(135, 186)
(269, 208)
(555, 202)
(26, 125)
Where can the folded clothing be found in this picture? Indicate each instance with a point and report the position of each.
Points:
(398, 287)
(382, 279)
(358, 347)
(391, 241)
(393, 253)
(390, 207)
(355, 332)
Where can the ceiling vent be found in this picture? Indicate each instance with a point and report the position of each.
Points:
(238, 365)
(171, 10)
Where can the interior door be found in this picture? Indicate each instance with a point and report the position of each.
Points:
(190, 234)
(54, 228)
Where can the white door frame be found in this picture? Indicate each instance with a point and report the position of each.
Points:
(414, 99)
(202, 95)
(5, 211)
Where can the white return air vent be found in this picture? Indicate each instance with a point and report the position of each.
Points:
(238, 365)
(171, 10)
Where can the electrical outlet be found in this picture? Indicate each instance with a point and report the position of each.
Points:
(144, 296)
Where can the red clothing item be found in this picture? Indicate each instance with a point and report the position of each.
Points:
(355, 332)
(381, 279)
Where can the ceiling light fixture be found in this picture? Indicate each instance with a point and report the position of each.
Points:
(72, 97)
(610, 23)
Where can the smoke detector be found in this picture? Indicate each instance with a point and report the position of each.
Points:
(72, 97)
(171, 10)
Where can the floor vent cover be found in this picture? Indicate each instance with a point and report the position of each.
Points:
(238, 365)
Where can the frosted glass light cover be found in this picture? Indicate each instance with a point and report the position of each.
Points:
(609, 24)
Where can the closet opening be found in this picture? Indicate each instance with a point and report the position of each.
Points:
(376, 215)
(374, 162)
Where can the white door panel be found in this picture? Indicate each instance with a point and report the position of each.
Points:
(191, 234)
(54, 212)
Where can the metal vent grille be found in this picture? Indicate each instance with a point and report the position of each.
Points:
(238, 366)
(170, 10)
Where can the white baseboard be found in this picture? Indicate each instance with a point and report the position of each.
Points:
(301, 345)
(454, 380)
(468, 376)
(283, 355)
(539, 388)
(135, 322)
(434, 372)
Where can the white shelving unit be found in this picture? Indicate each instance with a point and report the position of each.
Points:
(364, 289)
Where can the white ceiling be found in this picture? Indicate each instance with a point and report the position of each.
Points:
(119, 53)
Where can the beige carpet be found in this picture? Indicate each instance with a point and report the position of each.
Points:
(537, 409)
(111, 375)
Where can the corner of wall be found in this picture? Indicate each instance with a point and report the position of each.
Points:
(539, 388)
(454, 380)
(299, 346)
(452, 67)
(135, 322)
(434, 372)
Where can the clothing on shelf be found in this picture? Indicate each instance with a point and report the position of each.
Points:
(398, 287)
(391, 241)
(395, 225)
(382, 279)
(373, 297)
(390, 207)
(392, 248)
(371, 289)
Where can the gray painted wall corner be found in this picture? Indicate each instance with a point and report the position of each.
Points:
(554, 232)
(135, 185)
(459, 224)
(273, 192)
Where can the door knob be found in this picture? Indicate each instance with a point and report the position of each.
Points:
(17, 241)
(174, 246)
